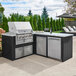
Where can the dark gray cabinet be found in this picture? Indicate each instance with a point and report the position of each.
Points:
(41, 45)
(59, 48)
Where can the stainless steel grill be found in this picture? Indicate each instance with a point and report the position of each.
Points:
(23, 31)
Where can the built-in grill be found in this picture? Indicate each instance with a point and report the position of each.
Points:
(19, 40)
(23, 31)
(24, 38)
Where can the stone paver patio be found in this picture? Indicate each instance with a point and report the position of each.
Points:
(39, 66)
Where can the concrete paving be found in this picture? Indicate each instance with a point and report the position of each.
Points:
(39, 66)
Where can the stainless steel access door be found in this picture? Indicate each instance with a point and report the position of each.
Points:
(28, 50)
(19, 52)
(54, 47)
(41, 45)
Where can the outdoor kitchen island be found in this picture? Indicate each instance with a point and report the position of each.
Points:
(22, 41)
(53, 45)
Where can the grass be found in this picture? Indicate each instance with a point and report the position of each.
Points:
(58, 31)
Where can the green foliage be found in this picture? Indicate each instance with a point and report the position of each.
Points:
(53, 25)
(17, 17)
(1, 17)
(62, 22)
(57, 25)
(5, 23)
(71, 4)
(31, 22)
(39, 24)
(27, 18)
(47, 23)
(35, 22)
(44, 14)
(58, 31)
(43, 24)
(1, 8)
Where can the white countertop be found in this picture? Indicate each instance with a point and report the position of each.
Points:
(53, 34)
(9, 34)
(43, 33)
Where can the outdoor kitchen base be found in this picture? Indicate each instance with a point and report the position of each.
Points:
(20, 42)
(13, 51)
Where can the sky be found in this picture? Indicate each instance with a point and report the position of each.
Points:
(54, 7)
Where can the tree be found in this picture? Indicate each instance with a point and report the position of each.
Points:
(5, 23)
(59, 24)
(27, 18)
(13, 18)
(18, 17)
(44, 14)
(1, 8)
(71, 6)
(43, 23)
(56, 25)
(29, 13)
(51, 23)
(31, 22)
(35, 22)
(39, 24)
(37, 16)
(62, 22)
(47, 23)
(1, 15)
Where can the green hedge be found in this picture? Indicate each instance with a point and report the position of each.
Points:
(36, 22)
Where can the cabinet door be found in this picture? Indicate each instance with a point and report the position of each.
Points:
(19, 52)
(54, 47)
(28, 50)
(41, 45)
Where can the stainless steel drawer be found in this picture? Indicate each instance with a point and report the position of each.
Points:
(41, 45)
(19, 52)
(28, 50)
(54, 47)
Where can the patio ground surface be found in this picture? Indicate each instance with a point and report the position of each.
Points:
(39, 66)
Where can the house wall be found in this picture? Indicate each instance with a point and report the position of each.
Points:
(70, 23)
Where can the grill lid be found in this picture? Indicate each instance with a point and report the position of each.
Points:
(20, 27)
